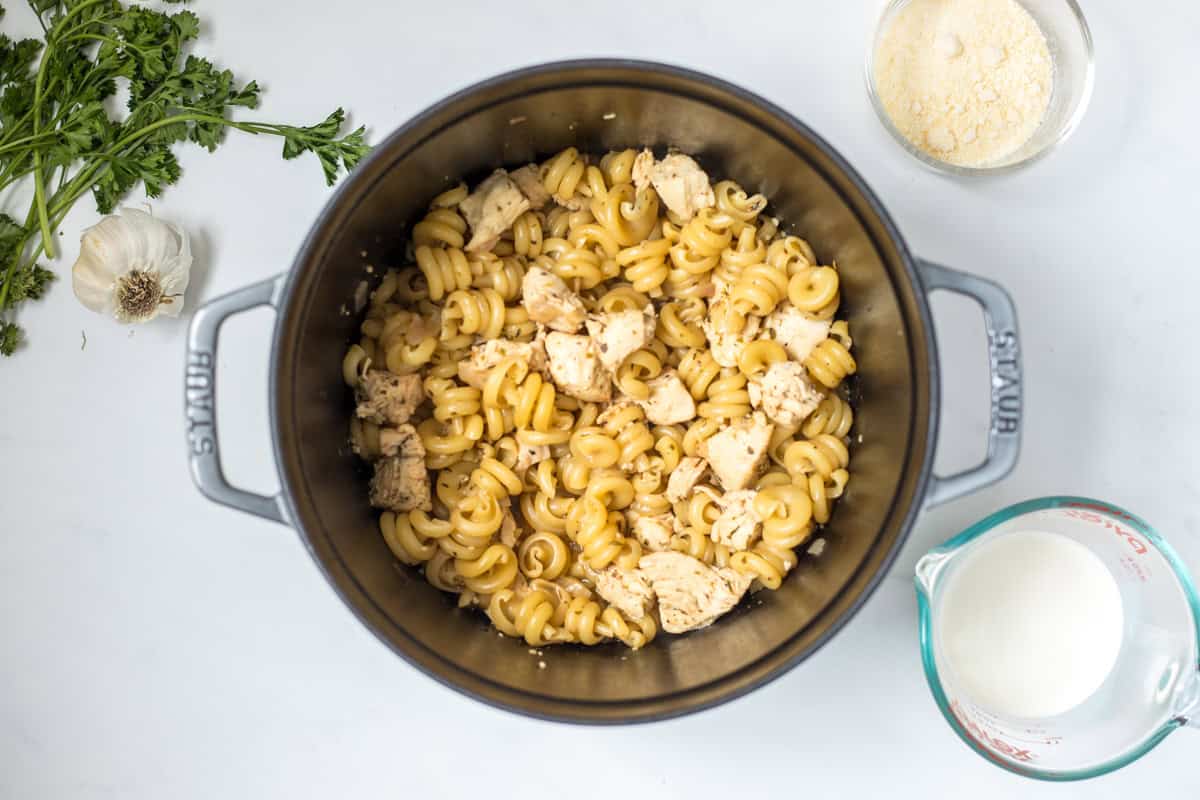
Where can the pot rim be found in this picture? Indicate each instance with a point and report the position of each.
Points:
(582, 710)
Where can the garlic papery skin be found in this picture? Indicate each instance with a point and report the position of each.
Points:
(132, 266)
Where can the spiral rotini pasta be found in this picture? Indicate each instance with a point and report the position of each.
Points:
(580, 267)
(701, 243)
(597, 531)
(679, 323)
(540, 504)
(701, 547)
(502, 274)
(698, 370)
(830, 361)
(526, 617)
(758, 356)
(441, 226)
(563, 174)
(594, 447)
(790, 254)
(622, 298)
(727, 397)
(833, 416)
(528, 235)
(543, 554)
(814, 290)
(699, 432)
(645, 265)
(626, 425)
(445, 270)
(733, 202)
(476, 312)
(626, 214)
(638, 368)
(819, 464)
(617, 167)
(746, 251)
(758, 289)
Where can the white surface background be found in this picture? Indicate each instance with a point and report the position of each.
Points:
(155, 645)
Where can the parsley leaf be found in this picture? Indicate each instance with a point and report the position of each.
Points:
(30, 284)
(320, 140)
(11, 337)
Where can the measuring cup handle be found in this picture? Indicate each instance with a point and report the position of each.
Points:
(1188, 704)
(1004, 361)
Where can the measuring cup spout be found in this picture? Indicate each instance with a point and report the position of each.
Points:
(928, 569)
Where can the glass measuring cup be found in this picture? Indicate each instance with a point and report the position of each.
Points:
(1153, 688)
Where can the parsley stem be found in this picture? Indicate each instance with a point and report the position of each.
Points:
(13, 171)
(39, 179)
(39, 199)
(17, 144)
(16, 126)
(88, 175)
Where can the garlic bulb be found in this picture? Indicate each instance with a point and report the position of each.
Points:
(133, 266)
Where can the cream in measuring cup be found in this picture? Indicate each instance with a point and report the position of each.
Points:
(1031, 623)
(1060, 637)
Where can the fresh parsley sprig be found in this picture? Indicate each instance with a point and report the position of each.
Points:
(56, 134)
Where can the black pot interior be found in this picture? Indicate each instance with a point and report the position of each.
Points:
(599, 106)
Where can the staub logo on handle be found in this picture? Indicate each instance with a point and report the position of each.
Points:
(199, 402)
(1006, 382)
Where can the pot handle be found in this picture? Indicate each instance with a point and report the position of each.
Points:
(204, 454)
(1004, 360)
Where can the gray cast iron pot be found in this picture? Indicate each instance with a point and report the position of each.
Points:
(597, 106)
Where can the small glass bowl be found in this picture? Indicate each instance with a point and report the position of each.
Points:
(1070, 44)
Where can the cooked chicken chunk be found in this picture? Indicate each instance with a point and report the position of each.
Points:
(401, 483)
(387, 399)
(549, 301)
(738, 526)
(690, 594)
(654, 533)
(491, 210)
(727, 346)
(618, 334)
(627, 591)
(360, 442)
(679, 181)
(576, 369)
(486, 355)
(529, 182)
(684, 477)
(796, 331)
(643, 170)
(402, 440)
(530, 454)
(785, 393)
(736, 452)
(670, 401)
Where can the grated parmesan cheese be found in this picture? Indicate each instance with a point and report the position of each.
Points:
(966, 81)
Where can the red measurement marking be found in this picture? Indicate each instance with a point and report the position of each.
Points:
(1135, 569)
(989, 741)
(1112, 512)
(1135, 542)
